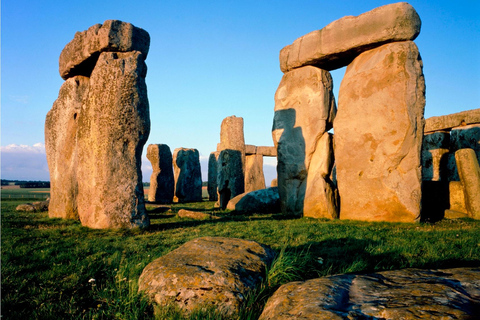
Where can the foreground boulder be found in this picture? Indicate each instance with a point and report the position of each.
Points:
(259, 201)
(207, 272)
(337, 44)
(38, 206)
(80, 55)
(401, 294)
(378, 135)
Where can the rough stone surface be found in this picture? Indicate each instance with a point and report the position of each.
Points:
(232, 137)
(378, 135)
(450, 121)
(304, 110)
(401, 294)
(457, 196)
(188, 175)
(162, 182)
(112, 129)
(469, 172)
(38, 206)
(207, 272)
(61, 130)
(182, 213)
(274, 183)
(321, 199)
(259, 201)
(267, 151)
(80, 55)
(466, 137)
(254, 177)
(435, 149)
(337, 44)
(212, 176)
(230, 176)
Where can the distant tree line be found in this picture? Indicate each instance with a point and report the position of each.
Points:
(26, 184)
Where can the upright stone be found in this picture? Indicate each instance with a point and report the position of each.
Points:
(112, 129)
(162, 183)
(230, 179)
(466, 137)
(188, 175)
(321, 199)
(469, 172)
(304, 111)
(61, 126)
(435, 149)
(254, 177)
(80, 55)
(337, 44)
(212, 176)
(378, 135)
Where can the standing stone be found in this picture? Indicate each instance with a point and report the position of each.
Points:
(456, 196)
(466, 137)
(320, 195)
(61, 126)
(212, 176)
(435, 149)
(254, 177)
(112, 129)
(231, 135)
(188, 175)
(304, 111)
(337, 44)
(378, 135)
(162, 183)
(80, 55)
(230, 179)
(469, 172)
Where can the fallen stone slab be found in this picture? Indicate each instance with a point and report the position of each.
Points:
(337, 44)
(38, 206)
(453, 120)
(400, 294)
(205, 272)
(182, 213)
(259, 201)
(81, 54)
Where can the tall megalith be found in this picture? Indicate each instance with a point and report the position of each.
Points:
(162, 183)
(188, 175)
(212, 176)
(378, 134)
(103, 127)
(304, 111)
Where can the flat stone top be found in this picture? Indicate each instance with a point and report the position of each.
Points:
(80, 55)
(337, 44)
(453, 120)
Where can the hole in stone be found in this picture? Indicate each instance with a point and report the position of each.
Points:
(75, 116)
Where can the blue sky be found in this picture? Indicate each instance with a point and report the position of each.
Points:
(207, 60)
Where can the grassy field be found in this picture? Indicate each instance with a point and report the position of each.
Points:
(57, 269)
(33, 194)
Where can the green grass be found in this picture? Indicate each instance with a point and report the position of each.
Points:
(25, 194)
(48, 264)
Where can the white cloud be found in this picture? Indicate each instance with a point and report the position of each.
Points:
(24, 162)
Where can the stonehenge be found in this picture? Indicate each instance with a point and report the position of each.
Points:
(96, 129)
(187, 174)
(162, 183)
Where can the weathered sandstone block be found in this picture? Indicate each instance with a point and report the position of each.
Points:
(254, 177)
(231, 134)
(304, 111)
(207, 271)
(113, 127)
(230, 176)
(456, 196)
(337, 44)
(162, 183)
(321, 200)
(466, 137)
(61, 126)
(452, 120)
(212, 176)
(435, 148)
(182, 213)
(188, 175)
(469, 172)
(80, 55)
(378, 135)
(259, 201)
(399, 294)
